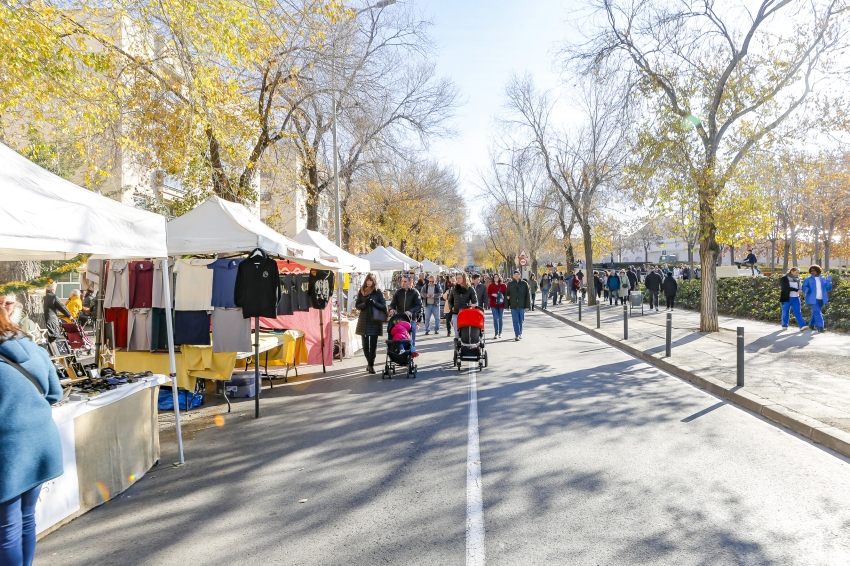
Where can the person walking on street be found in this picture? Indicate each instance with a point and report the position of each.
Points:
(408, 301)
(421, 283)
(604, 278)
(369, 299)
(789, 298)
(750, 261)
(52, 307)
(670, 288)
(519, 300)
(447, 310)
(480, 292)
(545, 284)
(496, 292)
(30, 451)
(633, 279)
(653, 282)
(532, 287)
(625, 290)
(575, 287)
(562, 288)
(597, 285)
(613, 289)
(462, 297)
(816, 288)
(431, 293)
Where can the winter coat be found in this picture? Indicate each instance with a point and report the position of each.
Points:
(494, 288)
(624, 285)
(598, 284)
(438, 291)
(653, 282)
(462, 298)
(670, 286)
(75, 305)
(52, 305)
(632, 279)
(613, 282)
(30, 453)
(365, 325)
(532, 286)
(481, 296)
(545, 283)
(785, 289)
(407, 300)
(518, 295)
(810, 289)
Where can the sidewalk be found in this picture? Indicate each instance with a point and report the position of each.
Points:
(798, 379)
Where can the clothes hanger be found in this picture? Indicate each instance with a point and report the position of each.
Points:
(256, 252)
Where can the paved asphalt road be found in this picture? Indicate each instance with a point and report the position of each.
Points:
(587, 456)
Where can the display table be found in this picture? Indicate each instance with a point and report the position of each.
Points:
(108, 443)
(351, 341)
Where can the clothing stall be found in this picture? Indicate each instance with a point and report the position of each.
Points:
(110, 439)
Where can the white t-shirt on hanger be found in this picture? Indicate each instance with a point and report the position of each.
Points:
(193, 291)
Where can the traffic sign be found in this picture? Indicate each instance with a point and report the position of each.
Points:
(523, 262)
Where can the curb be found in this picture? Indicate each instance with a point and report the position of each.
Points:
(816, 431)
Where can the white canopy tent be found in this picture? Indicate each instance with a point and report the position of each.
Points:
(410, 261)
(45, 217)
(347, 263)
(220, 226)
(380, 259)
(431, 267)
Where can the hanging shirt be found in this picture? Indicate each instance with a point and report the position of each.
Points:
(158, 300)
(141, 284)
(192, 327)
(257, 289)
(224, 281)
(287, 294)
(321, 284)
(193, 291)
(231, 332)
(117, 285)
(118, 317)
(302, 292)
(139, 329)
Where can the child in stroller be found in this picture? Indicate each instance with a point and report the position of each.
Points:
(469, 346)
(400, 348)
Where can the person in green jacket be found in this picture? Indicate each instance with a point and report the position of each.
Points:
(532, 287)
(519, 299)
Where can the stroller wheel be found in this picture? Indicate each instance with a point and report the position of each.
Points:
(485, 358)
(454, 361)
(414, 372)
(409, 372)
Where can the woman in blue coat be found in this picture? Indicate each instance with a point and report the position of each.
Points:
(613, 288)
(816, 288)
(30, 451)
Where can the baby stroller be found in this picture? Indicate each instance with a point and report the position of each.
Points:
(470, 346)
(78, 340)
(399, 352)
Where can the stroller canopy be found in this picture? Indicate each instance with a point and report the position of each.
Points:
(470, 317)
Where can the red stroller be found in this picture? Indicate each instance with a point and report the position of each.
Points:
(77, 338)
(469, 347)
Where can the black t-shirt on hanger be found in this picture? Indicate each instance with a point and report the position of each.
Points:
(287, 294)
(321, 287)
(301, 301)
(257, 289)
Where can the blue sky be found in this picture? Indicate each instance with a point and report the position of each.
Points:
(480, 44)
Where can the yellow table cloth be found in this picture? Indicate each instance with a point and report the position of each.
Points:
(292, 352)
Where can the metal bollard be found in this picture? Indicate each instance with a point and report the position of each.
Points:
(669, 334)
(740, 356)
(625, 322)
(598, 317)
(579, 311)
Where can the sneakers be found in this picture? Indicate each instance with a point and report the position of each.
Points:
(784, 328)
(802, 329)
(427, 332)
(516, 338)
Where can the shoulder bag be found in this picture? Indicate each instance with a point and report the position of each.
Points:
(24, 372)
(378, 314)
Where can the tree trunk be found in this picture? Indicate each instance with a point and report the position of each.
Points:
(691, 259)
(794, 247)
(311, 176)
(786, 255)
(772, 255)
(588, 252)
(731, 255)
(23, 271)
(571, 257)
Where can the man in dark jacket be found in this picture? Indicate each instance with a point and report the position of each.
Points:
(670, 288)
(420, 283)
(480, 292)
(52, 306)
(408, 301)
(518, 298)
(750, 261)
(633, 279)
(653, 283)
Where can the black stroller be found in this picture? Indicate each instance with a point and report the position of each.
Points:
(469, 347)
(399, 352)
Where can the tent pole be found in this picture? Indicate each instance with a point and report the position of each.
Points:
(322, 337)
(339, 311)
(257, 383)
(166, 289)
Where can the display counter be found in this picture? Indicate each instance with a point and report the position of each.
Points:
(108, 442)
(350, 341)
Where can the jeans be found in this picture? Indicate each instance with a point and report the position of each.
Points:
(498, 318)
(614, 297)
(793, 303)
(454, 324)
(574, 295)
(653, 299)
(544, 298)
(432, 311)
(817, 317)
(533, 299)
(370, 348)
(518, 316)
(17, 528)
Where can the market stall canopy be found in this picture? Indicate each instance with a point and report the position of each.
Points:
(430, 266)
(348, 263)
(217, 226)
(406, 258)
(45, 217)
(380, 259)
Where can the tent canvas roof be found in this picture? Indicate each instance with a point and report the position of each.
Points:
(46, 217)
(219, 226)
(349, 263)
(430, 266)
(406, 258)
(380, 259)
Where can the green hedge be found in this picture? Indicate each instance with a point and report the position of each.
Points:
(758, 298)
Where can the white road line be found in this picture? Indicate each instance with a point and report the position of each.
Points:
(474, 499)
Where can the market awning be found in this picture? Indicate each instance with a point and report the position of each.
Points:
(219, 226)
(348, 263)
(380, 259)
(45, 217)
(430, 266)
(406, 258)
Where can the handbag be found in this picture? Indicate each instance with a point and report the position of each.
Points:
(500, 298)
(378, 315)
(24, 372)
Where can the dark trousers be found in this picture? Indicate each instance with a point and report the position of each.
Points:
(533, 299)
(670, 299)
(17, 528)
(370, 348)
(653, 299)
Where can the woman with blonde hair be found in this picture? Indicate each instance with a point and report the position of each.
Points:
(463, 296)
(370, 323)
